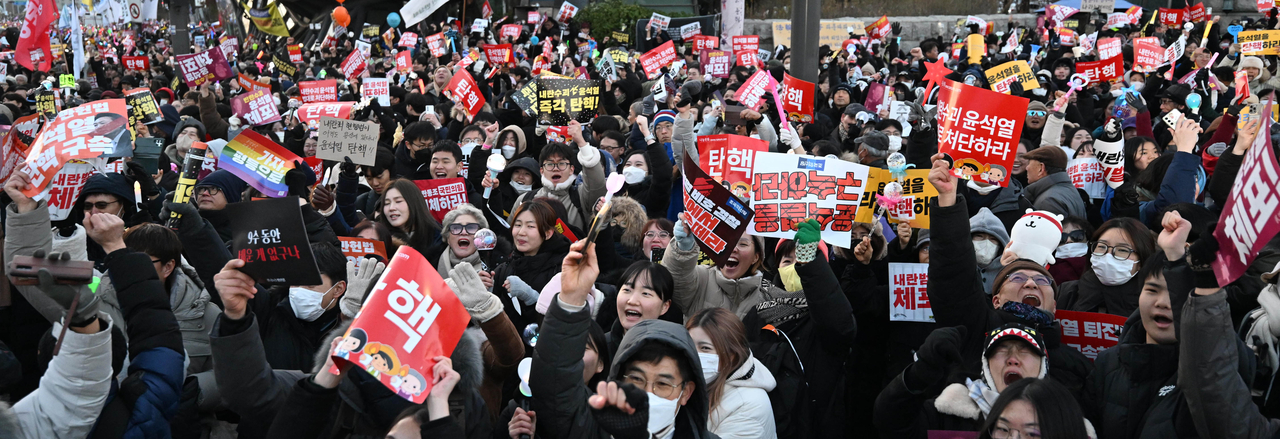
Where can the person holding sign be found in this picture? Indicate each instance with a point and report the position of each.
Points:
(734, 285)
(559, 177)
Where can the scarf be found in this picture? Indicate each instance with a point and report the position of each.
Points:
(781, 306)
(448, 260)
(982, 190)
(981, 395)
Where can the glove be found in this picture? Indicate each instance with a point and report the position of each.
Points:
(684, 240)
(1200, 256)
(1015, 89)
(1113, 130)
(520, 290)
(1135, 102)
(807, 238)
(897, 28)
(296, 180)
(466, 284)
(86, 309)
(348, 168)
(938, 352)
(190, 217)
(361, 275)
(789, 137)
(145, 181)
(621, 425)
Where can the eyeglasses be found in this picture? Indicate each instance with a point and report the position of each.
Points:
(1074, 236)
(1120, 253)
(556, 166)
(457, 229)
(1021, 279)
(211, 190)
(657, 235)
(421, 145)
(101, 205)
(1037, 113)
(662, 388)
(1000, 432)
(471, 140)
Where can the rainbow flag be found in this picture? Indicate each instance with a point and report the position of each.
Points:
(258, 161)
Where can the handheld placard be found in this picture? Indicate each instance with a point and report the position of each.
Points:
(187, 180)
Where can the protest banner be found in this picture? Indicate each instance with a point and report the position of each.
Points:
(17, 143)
(1108, 48)
(654, 60)
(47, 103)
(1101, 71)
(562, 100)
(1106, 6)
(659, 21)
(202, 67)
(718, 218)
(1019, 70)
(137, 63)
(269, 236)
(789, 188)
(1117, 20)
(295, 53)
(1196, 13)
(716, 63)
(1260, 42)
(319, 91)
(310, 113)
(410, 318)
(751, 93)
(249, 84)
(379, 88)
(1264, 6)
(284, 66)
(533, 18)
(229, 47)
(68, 137)
(797, 99)
(417, 10)
(66, 188)
(747, 58)
(435, 43)
(704, 42)
(443, 194)
(142, 107)
(728, 158)
(909, 293)
(1058, 14)
(527, 97)
(831, 33)
(912, 205)
(980, 129)
(879, 29)
(462, 90)
(356, 248)
(404, 62)
(745, 42)
(1135, 14)
(341, 139)
(1089, 332)
(354, 63)
(258, 161)
(1170, 17)
(1249, 218)
(690, 30)
(497, 54)
(408, 39)
(621, 37)
(1086, 173)
(567, 12)
(1147, 56)
(511, 31)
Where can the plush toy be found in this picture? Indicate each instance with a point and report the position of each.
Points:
(1035, 236)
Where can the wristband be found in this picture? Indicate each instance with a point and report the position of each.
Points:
(806, 252)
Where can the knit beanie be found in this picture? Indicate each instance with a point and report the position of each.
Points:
(231, 185)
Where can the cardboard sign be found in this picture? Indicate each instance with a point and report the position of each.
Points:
(1260, 42)
(789, 188)
(353, 65)
(1170, 17)
(913, 205)
(342, 138)
(259, 162)
(1147, 56)
(1249, 219)
(202, 67)
(980, 129)
(909, 293)
(250, 85)
(1089, 332)
(435, 43)
(562, 100)
(410, 318)
(255, 108)
(1019, 71)
(654, 60)
(462, 89)
(357, 248)
(728, 159)
(1108, 48)
(319, 91)
(142, 107)
(66, 188)
(719, 217)
(137, 63)
(378, 88)
(745, 42)
(797, 99)
(74, 134)
(295, 53)
(497, 54)
(659, 21)
(567, 12)
(716, 63)
(1106, 6)
(690, 30)
(880, 28)
(443, 194)
(1086, 173)
(269, 236)
(1100, 71)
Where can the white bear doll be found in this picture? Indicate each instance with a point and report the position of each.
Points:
(1035, 236)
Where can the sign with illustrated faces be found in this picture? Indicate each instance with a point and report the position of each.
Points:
(980, 129)
(269, 236)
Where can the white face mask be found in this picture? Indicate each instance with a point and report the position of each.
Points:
(307, 305)
(164, 102)
(1116, 93)
(710, 365)
(280, 135)
(662, 413)
(1071, 250)
(1111, 271)
(1039, 91)
(985, 251)
(1137, 85)
(508, 151)
(633, 174)
(755, 136)
(895, 143)
(521, 188)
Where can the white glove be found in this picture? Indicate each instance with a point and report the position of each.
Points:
(466, 284)
(790, 138)
(359, 279)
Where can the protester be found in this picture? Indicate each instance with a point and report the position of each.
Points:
(738, 384)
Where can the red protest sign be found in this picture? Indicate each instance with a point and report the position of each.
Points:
(408, 39)
(1108, 48)
(486, 11)
(410, 318)
(533, 18)
(1242, 85)
(464, 91)
(746, 42)
(404, 62)
(354, 64)
(66, 188)
(511, 31)
(256, 107)
(497, 54)
(716, 63)
(443, 194)
(728, 158)
(1249, 218)
(74, 134)
(654, 60)
(435, 43)
(250, 85)
(1147, 55)
(16, 141)
(310, 113)
(138, 63)
(703, 42)
(1170, 17)
(1099, 71)
(1089, 332)
(797, 99)
(879, 28)
(979, 128)
(295, 53)
(1265, 6)
(1196, 13)
(567, 12)
(751, 93)
(747, 58)
(356, 248)
(319, 91)
(317, 167)
(716, 217)
(198, 68)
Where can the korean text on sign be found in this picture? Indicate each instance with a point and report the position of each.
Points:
(1090, 333)
(788, 189)
(909, 293)
(979, 128)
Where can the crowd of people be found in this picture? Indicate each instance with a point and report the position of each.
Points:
(639, 334)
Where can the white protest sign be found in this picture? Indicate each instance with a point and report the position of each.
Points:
(340, 138)
(379, 88)
(909, 293)
(1086, 173)
(792, 188)
(417, 10)
(659, 21)
(690, 30)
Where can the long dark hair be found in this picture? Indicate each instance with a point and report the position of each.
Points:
(1057, 414)
(421, 229)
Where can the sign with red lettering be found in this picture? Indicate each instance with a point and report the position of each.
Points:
(410, 318)
(310, 113)
(1099, 71)
(497, 54)
(408, 39)
(1196, 13)
(751, 93)
(703, 42)
(879, 29)
(979, 128)
(379, 88)
(511, 31)
(1108, 48)
(716, 63)
(295, 53)
(435, 43)
(1086, 173)
(443, 194)
(1170, 17)
(567, 12)
(654, 60)
(268, 235)
(256, 108)
(462, 90)
(1089, 332)
(746, 42)
(138, 63)
(356, 248)
(716, 217)
(728, 158)
(789, 188)
(1147, 55)
(354, 64)
(747, 58)
(319, 91)
(1249, 219)
(76, 133)
(404, 62)
(66, 188)
(198, 68)
(909, 293)
(797, 99)
(1116, 20)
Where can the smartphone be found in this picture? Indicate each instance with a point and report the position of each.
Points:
(1172, 118)
(24, 270)
(146, 151)
(656, 254)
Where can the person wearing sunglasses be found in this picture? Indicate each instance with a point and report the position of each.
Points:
(1037, 114)
(1116, 251)
(1071, 261)
(459, 245)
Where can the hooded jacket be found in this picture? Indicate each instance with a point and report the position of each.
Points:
(72, 392)
(497, 209)
(196, 314)
(521, 144)
(744, 411)
(986, 222)
(654, 193)
(703, 286)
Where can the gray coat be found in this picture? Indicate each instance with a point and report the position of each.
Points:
(1055, 193)
(72, 392)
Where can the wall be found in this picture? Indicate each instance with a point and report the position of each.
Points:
(914, 29)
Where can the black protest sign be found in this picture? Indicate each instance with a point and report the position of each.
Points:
(47, 104)
(142, 107)
(284, 66)
(562, 100)
(269, 236)
(719, 218)
(527, 98)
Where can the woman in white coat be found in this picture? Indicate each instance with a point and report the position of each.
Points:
(737, 383)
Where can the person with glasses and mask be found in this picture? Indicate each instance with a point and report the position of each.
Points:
(1037, 116)
(1110, 285)
(559, 168)
(1070, 257)
(413, 155)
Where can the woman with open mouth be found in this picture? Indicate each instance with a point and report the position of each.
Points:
(405, 212)
(734, 285)
(459, 245)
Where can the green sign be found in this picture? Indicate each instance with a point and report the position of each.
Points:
(66, 81)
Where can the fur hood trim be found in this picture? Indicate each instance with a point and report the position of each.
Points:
(954, 400)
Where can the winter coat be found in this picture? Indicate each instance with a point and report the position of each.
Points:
(1178, 186)
(408, 167)
(986, 222)
(744, 411)
(1090, 295)
(72, 391)
(1055, 193)
(586, 193)
(699, 287)
(534, 270)
(654, 193)
(1003, 202)
(901, 412)
(215, 126)
(196, 314)
(497, 209)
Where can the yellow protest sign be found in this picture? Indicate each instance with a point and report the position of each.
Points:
(832, 33)
(917, 194)
(1013, 71)
(977, 47)
(1260, 42)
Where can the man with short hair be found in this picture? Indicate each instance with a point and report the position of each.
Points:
(413, 155)
(1050, 187)
(559, 179)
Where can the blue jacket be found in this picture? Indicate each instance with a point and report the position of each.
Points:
(1178, 186)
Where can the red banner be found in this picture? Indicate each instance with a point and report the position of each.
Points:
(76, 135)
(408, 39)
(486, 11)
(1057, 14)
(879, 28)
(747, 58)
(716, 63)
(729, 158)
(654, 60)
(1264, 6)
(1196, 13)
(410, 318)
(404, 62)
(310, 113)
(256, 107)
(1099, 71)
(435, 43)
(319, 91)
(1249, 218)
(443, 194)
(797, 99)
(511, 31)
(497, 54)
(295, 53)
(198, 68)
(979, 128)
(137, 63)
(464, 91)
(33, 50)
(1170, 17)
(14, 147)
(1089, 332)
(746, 42)
(703, 42)
(353, 65)
(1108, 48)
(356, 248)
(1147, 55)
(250, 85)
(751, 93)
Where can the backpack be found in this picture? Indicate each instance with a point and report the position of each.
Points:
(774, 349)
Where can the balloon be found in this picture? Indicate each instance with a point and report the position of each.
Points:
(533, 40)
(393, 19)
(341, 17)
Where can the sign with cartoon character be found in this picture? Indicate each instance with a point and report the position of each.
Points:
(979, 128)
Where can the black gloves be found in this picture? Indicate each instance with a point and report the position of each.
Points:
(149, 188)
(189, 216)
(348, 168)
(1135, 102)
(938, 352)
(296, 180)
(622, 425)
(1200, 256)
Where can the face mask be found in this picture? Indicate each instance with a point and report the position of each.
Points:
(1110, 271)
(306, 304)
(895, 143)
(1039, 91)
(1116, 93)
(1137, 85)
(985, 251)
(1071, 250)
(790, 279)
(633, 174)
(710, 365)
(508, 151)
(521, 188)
(755, 136)
(164, 102)
(662, 413)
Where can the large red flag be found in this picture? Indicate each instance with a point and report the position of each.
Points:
(33, 50)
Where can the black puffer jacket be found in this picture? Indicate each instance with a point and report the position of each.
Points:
(534, 270)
